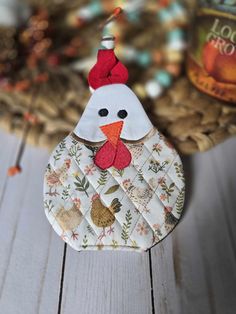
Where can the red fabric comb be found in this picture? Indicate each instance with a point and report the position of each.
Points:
(107, 70)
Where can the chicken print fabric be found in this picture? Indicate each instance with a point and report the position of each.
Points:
(114, 182)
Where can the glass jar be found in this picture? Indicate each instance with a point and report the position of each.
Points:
(211, 62)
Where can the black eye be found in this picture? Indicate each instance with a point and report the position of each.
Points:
(103, 112)
(122, 114)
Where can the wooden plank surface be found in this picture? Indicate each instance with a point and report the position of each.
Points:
(30, 252)
(192, 271)
(106, 282)
(8, 148)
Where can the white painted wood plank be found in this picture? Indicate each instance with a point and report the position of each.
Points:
(164, 281)
(224, 158)
(30, 252)
(106, 282)
(8, 145)
(195, 271)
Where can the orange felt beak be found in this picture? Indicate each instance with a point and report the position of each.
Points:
(112, 131)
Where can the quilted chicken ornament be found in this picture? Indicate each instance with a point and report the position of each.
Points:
(114, 182)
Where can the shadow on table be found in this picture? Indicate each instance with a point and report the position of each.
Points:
(189, 181)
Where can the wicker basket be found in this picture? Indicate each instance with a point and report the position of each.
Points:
(58, 105)
(192, 120)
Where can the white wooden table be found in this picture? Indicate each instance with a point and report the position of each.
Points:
(192, 271)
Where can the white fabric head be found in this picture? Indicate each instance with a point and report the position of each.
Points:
(114, 97)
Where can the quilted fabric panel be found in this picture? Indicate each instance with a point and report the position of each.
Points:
(130, 209)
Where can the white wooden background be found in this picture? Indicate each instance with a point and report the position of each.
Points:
(193, 271)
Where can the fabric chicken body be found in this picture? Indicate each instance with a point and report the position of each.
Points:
(125, 178)
(127, 208)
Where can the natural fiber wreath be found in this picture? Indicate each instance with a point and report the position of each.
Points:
(192, 120)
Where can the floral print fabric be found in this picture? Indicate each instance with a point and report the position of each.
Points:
(131, 209)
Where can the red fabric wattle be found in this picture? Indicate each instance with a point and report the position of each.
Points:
(107, 70)
(105, 156)
(123, 156)
(109, 155)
